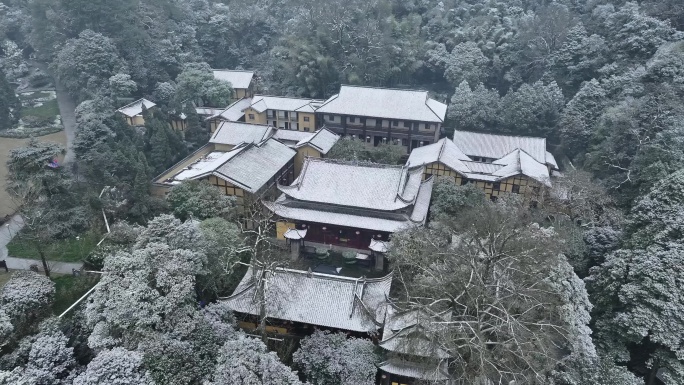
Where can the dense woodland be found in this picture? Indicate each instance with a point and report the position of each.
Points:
(600, 258)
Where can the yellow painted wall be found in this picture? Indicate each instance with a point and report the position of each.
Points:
(213, 124)
(179, 124)
(505, 185)
(311, 124)
(137, 120)
(259, 118)
(300, 157)
(240, 93)
(282, 227)
(230, 190)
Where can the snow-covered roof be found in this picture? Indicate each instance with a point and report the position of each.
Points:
(256, 164)
(379, 246)
(322, 140)
(233, 112)
(291, 137)
(353, 184)
(135, 108)
(354, 304)
(423, 370)
(283, 207)
(414, 332)
(496, 146)
(248, 165)
(262, 103)
(295, 234)
(237, 78)
(385, 103)
(444, 151)
(234, 133)
(207, 111)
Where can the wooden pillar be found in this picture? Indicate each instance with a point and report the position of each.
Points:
(294, 250)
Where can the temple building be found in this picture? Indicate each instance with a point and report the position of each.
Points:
(352, 204)
(243, 82)
(133, 112)
(283, 112)
(414, 354)
(235, 112)
(406, 118)
(248, 171)
(295, 301)
(495, 163)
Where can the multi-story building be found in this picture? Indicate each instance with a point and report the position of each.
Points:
(283, 112)
(243, 82)
(405, 118)
(495, 163)
(235, 112)
(133, 112)
(350, 204)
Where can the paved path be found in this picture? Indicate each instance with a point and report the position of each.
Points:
(67, 106)
(55, 267)
(7, 232)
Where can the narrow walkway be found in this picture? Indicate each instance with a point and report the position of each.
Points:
(7, 232)
(67, 106)
(55, 267)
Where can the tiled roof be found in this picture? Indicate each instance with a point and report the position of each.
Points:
(233, 112)
(444, 151)
(262, 103)
(256, 164)
(286, 208)
(425, 371)
(372, 186)
(135, 108)
(207, 111)
(292, 137)
(237, 78)
(385, 103)
(353, 304)
(414, 332)
(422, 203)
(234, 133)
(496, 146)
(248, 165)
(520, 162)
(322, 140)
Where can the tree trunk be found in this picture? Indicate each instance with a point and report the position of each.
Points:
(650, 380)
(46, 268)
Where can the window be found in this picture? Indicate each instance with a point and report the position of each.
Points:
(407, 124)
(496, 186)
(306, 118)
(352, 120)
(404, 142)
(251, 116)
(306, 129)
(515, 188)
(395, 123)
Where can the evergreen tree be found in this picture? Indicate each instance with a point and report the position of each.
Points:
(9, 104)
(195, 133)
(141, 190)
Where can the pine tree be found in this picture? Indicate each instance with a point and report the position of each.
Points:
(141, 189)
(9, 104)
(195, 134)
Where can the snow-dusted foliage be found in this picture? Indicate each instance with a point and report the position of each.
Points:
(246, 361)
(51, 360)
(574, 308)
(149, 289)
(117, 366)
(6, 327)
(26, 294)
(333, 359)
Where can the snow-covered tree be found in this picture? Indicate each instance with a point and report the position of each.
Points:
(333, 359)
(246, 361)
(200, 200)
(475, 109)
(117, 366)
(26, 298)
(51, 360)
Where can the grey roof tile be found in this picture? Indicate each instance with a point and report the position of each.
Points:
(385, 103)
(337, 302)
(237, 78)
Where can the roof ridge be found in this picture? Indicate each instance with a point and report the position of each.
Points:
(383, 88)
(227, 70)
(135, 102)
(505, 135)
(358, 163)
